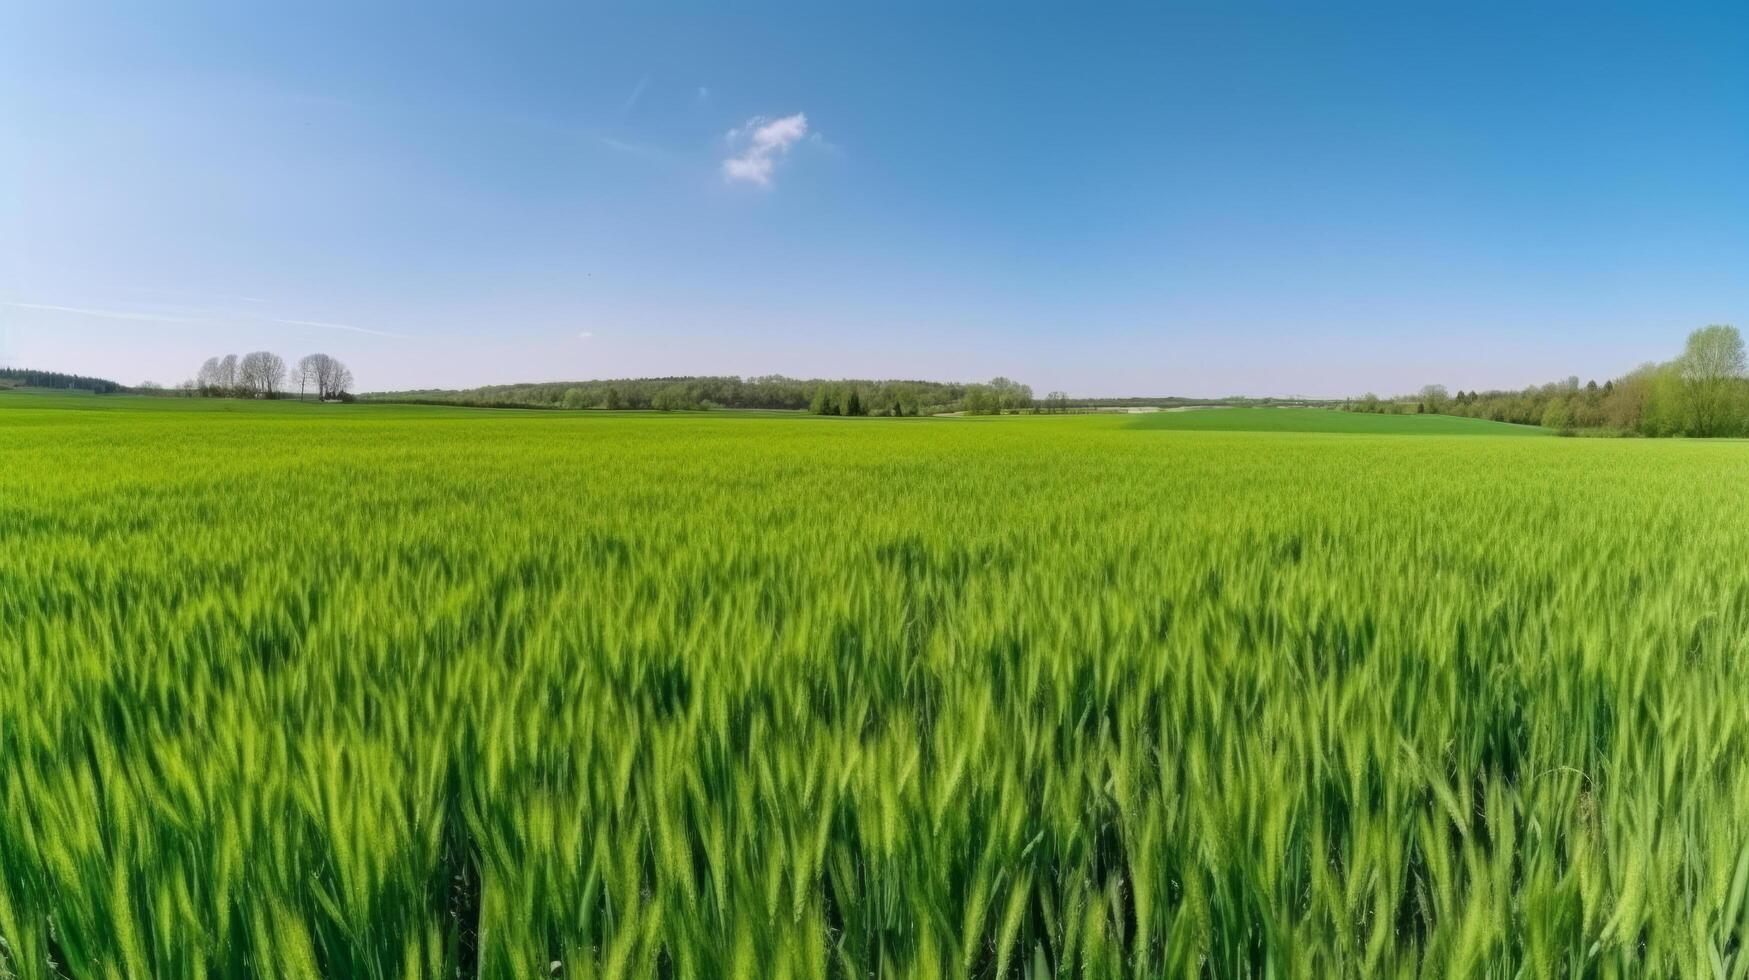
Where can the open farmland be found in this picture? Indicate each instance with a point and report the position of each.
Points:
(364, 691)
(1325, 420)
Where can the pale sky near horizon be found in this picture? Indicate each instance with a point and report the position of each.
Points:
(1199, 199)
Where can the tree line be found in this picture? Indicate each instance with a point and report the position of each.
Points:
(263, 374)
(817, 395)
(1703, 392)
(28, 378)
(997, 397)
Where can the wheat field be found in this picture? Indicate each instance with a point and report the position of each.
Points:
(362, 691)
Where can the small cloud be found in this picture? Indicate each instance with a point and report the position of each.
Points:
(585, 335)
(765, 142)
(704, 94)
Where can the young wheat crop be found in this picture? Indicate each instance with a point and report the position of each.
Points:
(371, 692)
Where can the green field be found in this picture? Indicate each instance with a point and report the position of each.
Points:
(1325, 420)
(370, 691)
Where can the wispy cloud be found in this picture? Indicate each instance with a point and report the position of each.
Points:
(586, 335)
(105, 314)
(343, 326)
(631, 101)
(762, 141)
(644, 150)
(209, 320)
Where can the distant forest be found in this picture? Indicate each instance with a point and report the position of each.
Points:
(816, 395)
(1703, 392)
(849, 397)
(26, 378)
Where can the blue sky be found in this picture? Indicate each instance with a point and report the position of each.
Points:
(1196, 199)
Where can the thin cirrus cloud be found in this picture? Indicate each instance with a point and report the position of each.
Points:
(344, 326)
(764, 142)
(631, 101)
(194, 321)
(104, 314)
(644, 150)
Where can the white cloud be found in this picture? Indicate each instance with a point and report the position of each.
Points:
(585, 335)
(764, 141)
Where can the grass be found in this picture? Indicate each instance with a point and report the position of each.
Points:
(1326, 420)
(367, 691)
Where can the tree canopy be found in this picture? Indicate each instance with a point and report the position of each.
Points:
(817, 395)
(1703, 392)
(28, 378)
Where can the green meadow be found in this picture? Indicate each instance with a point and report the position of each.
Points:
(367, 691)
(1325, 420)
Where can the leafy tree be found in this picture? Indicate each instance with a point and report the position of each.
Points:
(1712, 368)
(675, 398)
(981, 400)
(1011, 396)
(1558, 415)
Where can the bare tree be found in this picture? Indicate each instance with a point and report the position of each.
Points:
(208, 378)
(333, 378)
(306, 373)
(263, 373)
(336, 379)
(330, 377)
(246, 374)
(218, 376)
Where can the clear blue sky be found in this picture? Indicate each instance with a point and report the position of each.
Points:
(1204, 199)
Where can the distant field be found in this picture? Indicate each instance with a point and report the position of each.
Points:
(296, 408)
(369, 691)
(7, 388)
(1326, 420)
